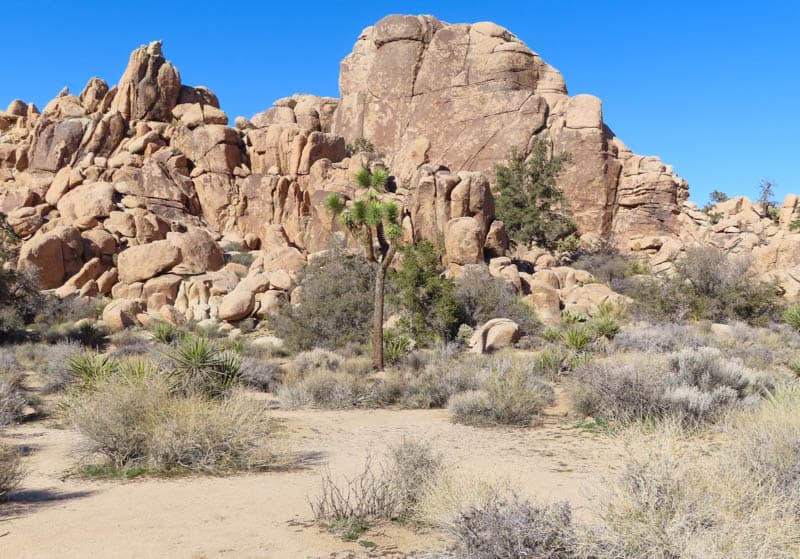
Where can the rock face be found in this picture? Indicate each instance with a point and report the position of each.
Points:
(150, 86)
(462, 96)
(133, 190)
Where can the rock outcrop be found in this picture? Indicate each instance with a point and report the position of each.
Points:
(138, 191)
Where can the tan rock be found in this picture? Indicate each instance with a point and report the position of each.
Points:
(143, 262)
(237, 305)
(493, 335)
(464, 241)
(121, 313)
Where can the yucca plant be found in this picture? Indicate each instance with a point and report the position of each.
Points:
(395, 345)
(165, 332)
(375, 224)
(88, 368)
(606, 326)
(197, 365)
(577, 337)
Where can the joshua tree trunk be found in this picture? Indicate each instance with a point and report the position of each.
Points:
(377, 326)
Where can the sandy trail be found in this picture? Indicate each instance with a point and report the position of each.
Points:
(267, 515)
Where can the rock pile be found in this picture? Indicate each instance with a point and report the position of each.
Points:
(137, 191)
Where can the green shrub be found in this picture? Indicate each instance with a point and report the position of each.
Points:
(395, 345)
(527, 199)
(791, 316)
(198, 365)
(708, 284)
(605, 326)
(426, 298)
(336, 304)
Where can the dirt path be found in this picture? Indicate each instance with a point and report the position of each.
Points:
(267, 515)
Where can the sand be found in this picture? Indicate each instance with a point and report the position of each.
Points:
(266, 515)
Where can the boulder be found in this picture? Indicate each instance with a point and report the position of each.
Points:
(121, 313)
(150, 86)
(464, 241)
(493, 335)
(143, 262)
(237, 305)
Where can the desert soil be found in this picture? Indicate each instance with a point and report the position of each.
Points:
(55, 514)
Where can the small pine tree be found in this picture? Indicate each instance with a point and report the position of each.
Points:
(375, 224)
(528, 200)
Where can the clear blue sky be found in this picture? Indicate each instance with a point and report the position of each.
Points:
(711, 87)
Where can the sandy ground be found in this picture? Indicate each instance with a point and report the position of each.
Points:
(267, 515)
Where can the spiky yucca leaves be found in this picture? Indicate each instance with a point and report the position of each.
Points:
(197, 365)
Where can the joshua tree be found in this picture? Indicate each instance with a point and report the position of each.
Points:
(374, 223)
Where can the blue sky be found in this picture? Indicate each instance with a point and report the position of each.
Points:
(711, 87)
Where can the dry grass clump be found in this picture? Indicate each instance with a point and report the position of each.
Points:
(260, 375)
(511, 395)
(693, 385)
(12, 393)
(134, 417)
(673, 498)
(658, 338)
(11, 470)
(515, 528)
(51, 362)
(323, 379)
(385, 490)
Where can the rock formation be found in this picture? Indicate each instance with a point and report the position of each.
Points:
(134, 191)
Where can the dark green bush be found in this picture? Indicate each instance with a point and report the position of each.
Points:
(336, 304)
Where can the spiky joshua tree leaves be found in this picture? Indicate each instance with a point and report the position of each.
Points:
(375, 224)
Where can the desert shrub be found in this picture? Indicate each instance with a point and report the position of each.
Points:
(672, 497)
(258, 374)
(706, 369)
(138, 421)
(513, 528)
(609, 266)
(765, 443)
(336, 304)
(708, 284)
(693, 386)
(443, 376)
(386, 489)
(12, 397)
(316, 359)
(327, 389)
(198, 365)
(51, 362)
(509, 396)
(11, 470)
(659, 338)
(484, 297)
(413, 464)
(431, 311)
